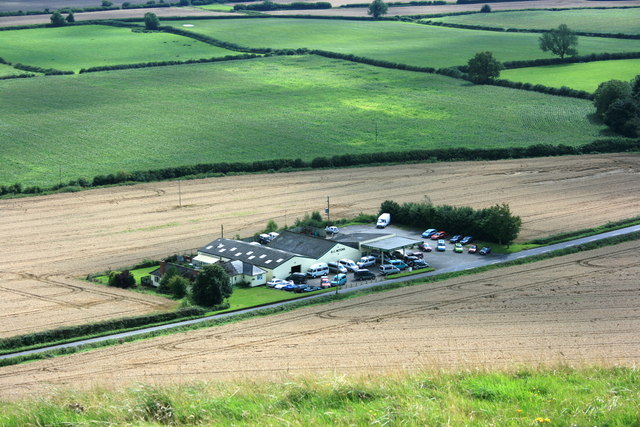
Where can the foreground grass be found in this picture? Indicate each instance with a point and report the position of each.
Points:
(583, 76)
(73, 48)
(400, 42)
(307, 106)
(524, 396)
(615, 21)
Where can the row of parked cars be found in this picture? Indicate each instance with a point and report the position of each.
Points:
(297, 282)
(458, 240)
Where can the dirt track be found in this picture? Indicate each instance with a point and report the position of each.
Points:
(575, 310)
(47, 241)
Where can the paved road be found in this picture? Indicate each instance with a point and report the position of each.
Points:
(443, 262)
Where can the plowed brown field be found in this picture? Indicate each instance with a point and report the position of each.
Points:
(49, 241)
(575, 310)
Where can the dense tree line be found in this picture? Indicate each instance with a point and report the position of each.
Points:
(399, 3)
(493, 224)
(70, 332)
(269, 5)
(613, 145)
(618, 106)
(570, 60)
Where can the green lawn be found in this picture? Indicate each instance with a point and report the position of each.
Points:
(251, 297)
(401, 42)
(217, 6)
(585, 20)
(73, 48)
(586, 76)
(278, 107)
(137, 273)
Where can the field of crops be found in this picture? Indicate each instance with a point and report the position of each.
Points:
(279, 107)
(584, 76)
(401, 42)
(623, 21)
(73, 48)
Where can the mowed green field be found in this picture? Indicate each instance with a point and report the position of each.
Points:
(584, 76)
(73, 48)
(401, 42)
(625, 21)
(277, 107)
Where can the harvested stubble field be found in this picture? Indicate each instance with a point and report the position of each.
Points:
(575, 310)
(50, 240)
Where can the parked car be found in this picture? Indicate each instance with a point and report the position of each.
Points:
(386, 269)
(283, 284)
(442, 246)
(418, 264)
(401, 265)
(324, 282)
(383, 220)
(409, 259)
(298, 278)
(348, 264)
(427, 233)
(425, 247)
(455, 239)
(366, 261)
(339, 280)
(335, 267)
(416, 254)
(438, 235)
(318, 269)
(485, 251)
(274, 282)
(291, 287)
(466, 240)
(264, 239)
(472, 249)
(332, 229)
(458, 248)
(363, 274)
(311, 288)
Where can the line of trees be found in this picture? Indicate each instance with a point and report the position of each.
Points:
(611, 145)
(269, 5)
(494, 224)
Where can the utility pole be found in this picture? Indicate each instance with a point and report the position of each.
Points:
(327, 210)
(222, 231)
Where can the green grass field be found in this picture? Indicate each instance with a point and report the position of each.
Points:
(585, 76)
(217, 6)
(523, 396)
(73, 48)
(615, 21)
(8, 70)
(278, 107)
(401, 42)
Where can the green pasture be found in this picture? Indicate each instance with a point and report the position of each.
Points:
(84, 46)
(217, 7)
(583, 76)
(8, 70)
(625, 21)
(401, 42)
(268, 108)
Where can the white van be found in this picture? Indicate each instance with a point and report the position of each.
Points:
(383, 220)
(366, 261)
(349, 264)
(318, 269)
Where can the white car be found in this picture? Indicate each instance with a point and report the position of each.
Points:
(366, 261)
(283, 284)
(332, 229)
(275, 282)
(349, 264)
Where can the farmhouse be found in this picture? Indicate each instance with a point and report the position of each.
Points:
(156, 275)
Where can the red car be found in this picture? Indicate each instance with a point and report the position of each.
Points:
(472, 249)
(438, 235)
(424, 247)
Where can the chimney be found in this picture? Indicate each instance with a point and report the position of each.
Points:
(163, 267)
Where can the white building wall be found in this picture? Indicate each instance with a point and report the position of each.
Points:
(340, 251)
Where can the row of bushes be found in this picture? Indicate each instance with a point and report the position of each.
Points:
(269, 5)
(485, 1)
(613, 145)
(210, 40)
(571, 59)
(370, 61)
(400, 3)
(65, 10)
(166, 63)
(493, 224)
(32, 69)
(71, 332)
(527, 30)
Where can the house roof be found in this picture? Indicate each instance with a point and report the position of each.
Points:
(182, 270)
(237, 268)
(361, 237)
(254, 254)
(312, 247)
(391, 243)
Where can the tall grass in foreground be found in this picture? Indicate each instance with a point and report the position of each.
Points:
(525, 396)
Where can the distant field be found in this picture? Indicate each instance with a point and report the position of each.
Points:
(279, 107)
(73, 48)
(391, 41)
(586, 76)
(216, 6)
(588, 20)
(7, 70)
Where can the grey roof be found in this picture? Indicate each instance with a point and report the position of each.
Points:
(312, 247)
(236, 268)
(360, 237)
(259, 255)
(391, 243)
(182, 270)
